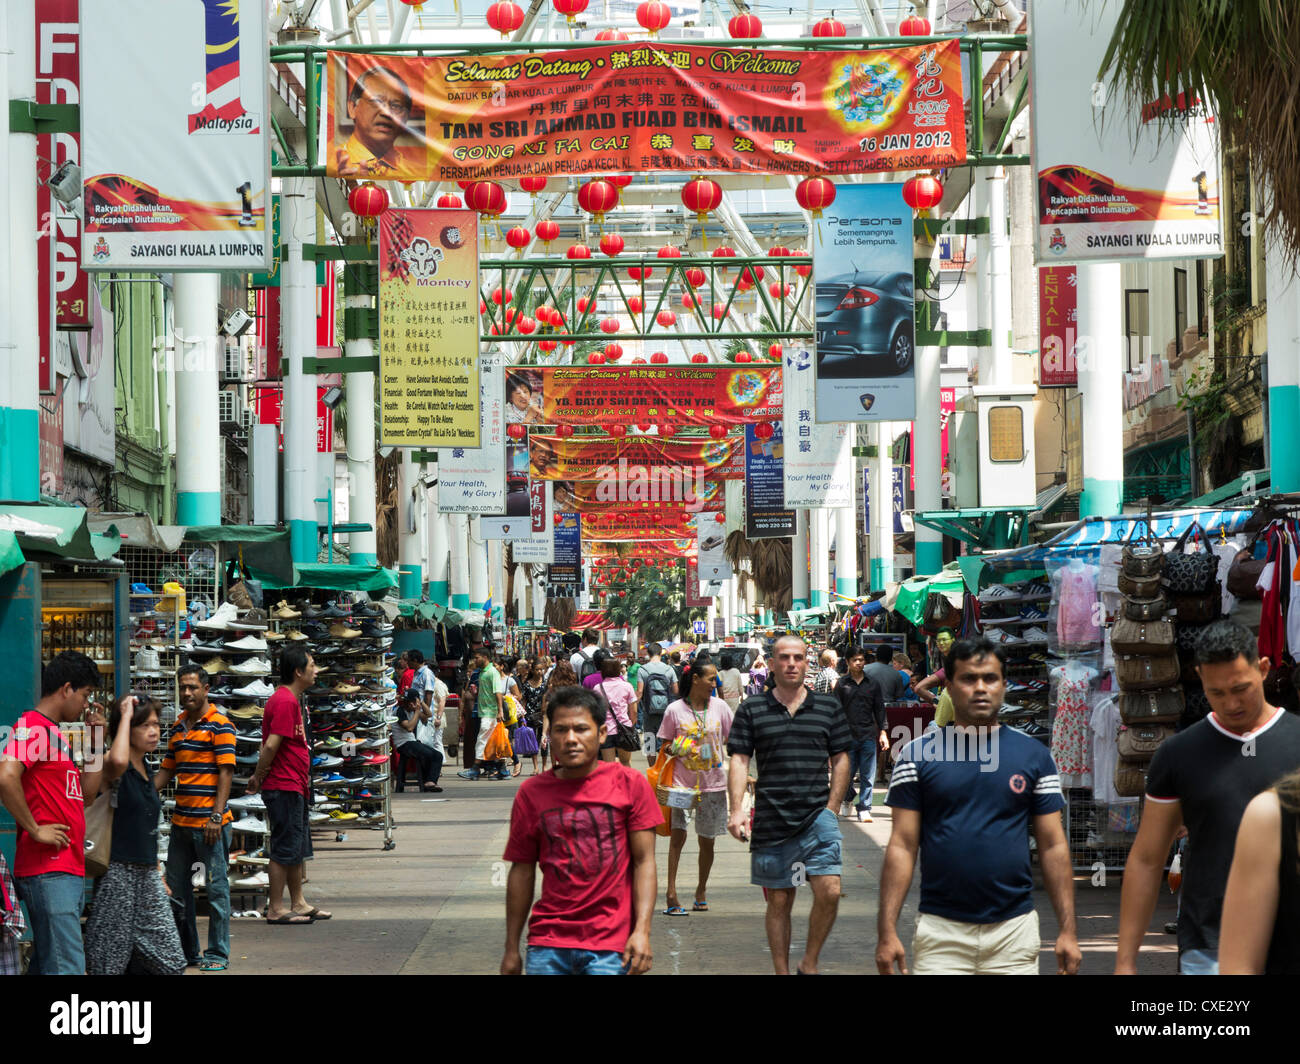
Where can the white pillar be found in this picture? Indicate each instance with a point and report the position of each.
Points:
(20, 463)
(799, 562)
(410, 493)
(539, 601)
(521, 594)
(882, 506)
(999, 247)
(1100, 362)
(478, 567)
(819, 548)
(439, 551)
(846, 552)
(458, 577)
(981, 299)
(360, 389)
(298, 339)
(496, 573)
(198, 350)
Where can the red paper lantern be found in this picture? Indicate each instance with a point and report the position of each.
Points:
(717, 431)
(914, 26)
(609, 326)
(699, 356)
(743, 285)
(752, 275)
(721, 518)
(639, 273)
(829, 27)
(532, 185)
(664, 428)
(618, 430)
(450, 199)
(779, 252)
(764, 430)
(668, 251)
(701, 195)
(518, 237)
(525, 324)
(367, 200)
(502, 296)
(644, 426)
(619, 181)
(744, 356)
(578, 251)
(659, 358)
(505, 17)
(635, 304)
(613, 352)
(517, 431)
(509, 316)
(611, 244)
(922, 193)
(743, 27)
(653, 16)
(695, 276)
(724, 252)
(779, 290)
(612, 35)
(570, 9)
(557, 519)
(465, 183)
(487, 197)
(482, 307)
(804, 268)
(546, 346)
(774, 352)
(815, 194)
(638, 361)
(583, 304)
(564, 431)
(690, 302)
(596, 358)
(597, 198)
(547, 231)
(666, 318)
(719, 311)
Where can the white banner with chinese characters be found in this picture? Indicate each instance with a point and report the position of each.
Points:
(472, 480)
(818, 458)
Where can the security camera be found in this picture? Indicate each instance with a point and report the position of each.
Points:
(237, 324)
(65, 183)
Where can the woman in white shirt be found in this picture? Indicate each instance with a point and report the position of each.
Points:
(732, 681)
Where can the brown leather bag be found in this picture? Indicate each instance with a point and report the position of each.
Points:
(1151, 609)
(1146, 557)
(1138, 742)
(1143, 672)
(1142, 587)
(1130, 780)
(1198, 609)
(1142, 637)
(1244, 572)
(1151, 707)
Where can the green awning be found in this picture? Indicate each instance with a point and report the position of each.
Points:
(11, 555)
(265, 550)
(61, 531)
(1250, 484)
(334, 577)
(913, 593)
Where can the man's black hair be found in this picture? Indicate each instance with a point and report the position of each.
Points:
(575, 697)
(146, 706)
(654, 650)
(945, 629)
(855, 652)
(68, 666)
(884, 653)
(192, 668)
(293, 659)
(414, 657)
(359, 86)
(1225, 641)
(974, 649)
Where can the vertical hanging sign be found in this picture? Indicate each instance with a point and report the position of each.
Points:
(1058, 325)
(765, 514)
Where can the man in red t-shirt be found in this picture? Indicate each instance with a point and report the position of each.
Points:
(590, 825)
(405, 674)
(46, 792)
(283, 773)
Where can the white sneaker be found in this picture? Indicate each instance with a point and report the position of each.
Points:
(1034, 635)
(249, 642)
(248, 801)
(250, 824)
(251, 667)
(256, 689)
(221, 617)
(864, 817)
(253, 882)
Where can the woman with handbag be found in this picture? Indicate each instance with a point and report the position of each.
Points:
(621, 735)
(534, 691)
(131, 925)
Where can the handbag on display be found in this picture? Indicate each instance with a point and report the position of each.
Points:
(1151, 609)
(1198, 608)
(1197, 707)
(1151, 707)
(1142, 637)
(1145, 557)
(940, 613)
(1245, 571)
(1130, 779)
(1142, 587)
(1185, 637)
(1138, 742)
(1191, 574)
(1142, 672)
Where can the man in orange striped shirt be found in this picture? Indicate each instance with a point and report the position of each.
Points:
(201, 758)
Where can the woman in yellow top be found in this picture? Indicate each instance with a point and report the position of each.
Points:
(943, 713)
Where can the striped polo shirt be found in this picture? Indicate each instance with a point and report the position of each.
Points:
(195, 757)
(791, 751)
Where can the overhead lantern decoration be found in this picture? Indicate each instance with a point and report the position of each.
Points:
(815, 194)
(564, 431)
(597, 198)
(612, 35)
(699, 356)
(488, 198)
(611, 244)
(724, 252)
(525, 324)
(450, 199)
(578, 251)
(505, 17)
(701, 195)
(502, 296)
(609, 326)
(546, 346)
(744, 356)
(659, 358)
(695, 277)
(639, 273)
(517, 431)
(666, 318)
(914, 26)
(367, 200)
(764, 430)
(620, 182)
(717, 431)
(744, 27)
(613, 352)
(532, 185)
(668, 251)
(571, 9)
(635, 304)
(804, 268)
(779, 252)
(547, 230)
(774, 352)
(922, 193)
(518, 237)
(653, 16)
(829, 27)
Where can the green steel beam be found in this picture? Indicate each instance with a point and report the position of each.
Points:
(344, 364)
(27, 116)
(954, 337)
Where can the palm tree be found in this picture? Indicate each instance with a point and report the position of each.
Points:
(654, 601)
(1240, 57)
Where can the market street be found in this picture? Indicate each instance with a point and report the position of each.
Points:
(435, 905)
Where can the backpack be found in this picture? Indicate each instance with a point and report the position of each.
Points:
(588, 666)
(657, 694)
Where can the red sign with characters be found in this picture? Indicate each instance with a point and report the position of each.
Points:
(1058, 326)
(268, 403)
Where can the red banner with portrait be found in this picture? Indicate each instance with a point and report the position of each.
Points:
(613, 459)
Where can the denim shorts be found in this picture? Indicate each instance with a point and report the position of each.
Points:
(815, 851)
(560, 960)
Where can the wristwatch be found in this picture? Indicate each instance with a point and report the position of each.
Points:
(216, 818)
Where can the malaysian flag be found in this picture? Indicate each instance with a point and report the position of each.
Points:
(221, 47)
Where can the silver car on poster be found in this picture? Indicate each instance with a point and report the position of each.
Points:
(865, 324)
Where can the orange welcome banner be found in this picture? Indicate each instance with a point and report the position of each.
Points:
(553, 458)
(638, 492)
(637, 524)
(643, 107)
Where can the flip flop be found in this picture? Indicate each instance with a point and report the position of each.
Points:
(291, 918)
(317, 914)
(676, 910)
(213, 966)
(700, 907)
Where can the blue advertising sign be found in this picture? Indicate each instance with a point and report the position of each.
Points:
(564, 575)
(866, 316)
(898, 474)
(765, 514)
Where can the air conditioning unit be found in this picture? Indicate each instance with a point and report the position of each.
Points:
(234, 368)
(229, 410)
(249, 419)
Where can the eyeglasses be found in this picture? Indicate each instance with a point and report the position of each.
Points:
(397, 106)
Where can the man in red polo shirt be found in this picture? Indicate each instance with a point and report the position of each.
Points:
(283, 773)
(45, 792)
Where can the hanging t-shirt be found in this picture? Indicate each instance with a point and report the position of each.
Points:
(717, 725)
(52, 790)
(578, 831)
(1203, 769)
(292, 764)
(1104, 723)
(1076, 613)
(975, 794)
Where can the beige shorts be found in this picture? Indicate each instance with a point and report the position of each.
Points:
(950, 947)
(710, 815)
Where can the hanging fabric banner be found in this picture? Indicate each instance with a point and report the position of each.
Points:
(1058, 326)
(765, 514)
(601, 553)
(637, 524)
(553, 458)
(638, 488)
(818, 467)
(645, 107)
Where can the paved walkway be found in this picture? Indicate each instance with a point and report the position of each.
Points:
(436, 904)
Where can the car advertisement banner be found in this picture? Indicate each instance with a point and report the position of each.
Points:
(866, 315)
(1058, 326)
(554, 458)
(525, 514)
(818, 467)
(472, 480)
(766, 516)
(428, 328)
(711, 546)
(645, 106)
(1114, 181)
(610, 395)
(639, 488)
(174, 127)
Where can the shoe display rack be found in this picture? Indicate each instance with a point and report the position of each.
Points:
(1015, 616)
(351, 708)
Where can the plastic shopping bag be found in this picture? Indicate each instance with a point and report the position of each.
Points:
(498, 745)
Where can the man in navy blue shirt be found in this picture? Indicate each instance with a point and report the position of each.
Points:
(963, 797)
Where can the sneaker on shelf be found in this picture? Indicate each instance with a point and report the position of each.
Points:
(245, 712)
(253, 825)
(249, 642)
(995, 592)
(257, 881)
(295, 636)
(365, 609)
(273, 637)
(282, 611)
(335, 611)
(1094, 841)
(221, 618)
(339, 630)
(329, 777)
(315, 816)
(345, 689)
(338, 814)
(207, 644)
(251, 667)
(216, 666)
(253, 621)
(326, 761)
(1034, 635)
(256, 689)
(1032, 613)
(247, 802)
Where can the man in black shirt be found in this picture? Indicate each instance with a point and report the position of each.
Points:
(793, 733)
(1204, 777)
(864, 708)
